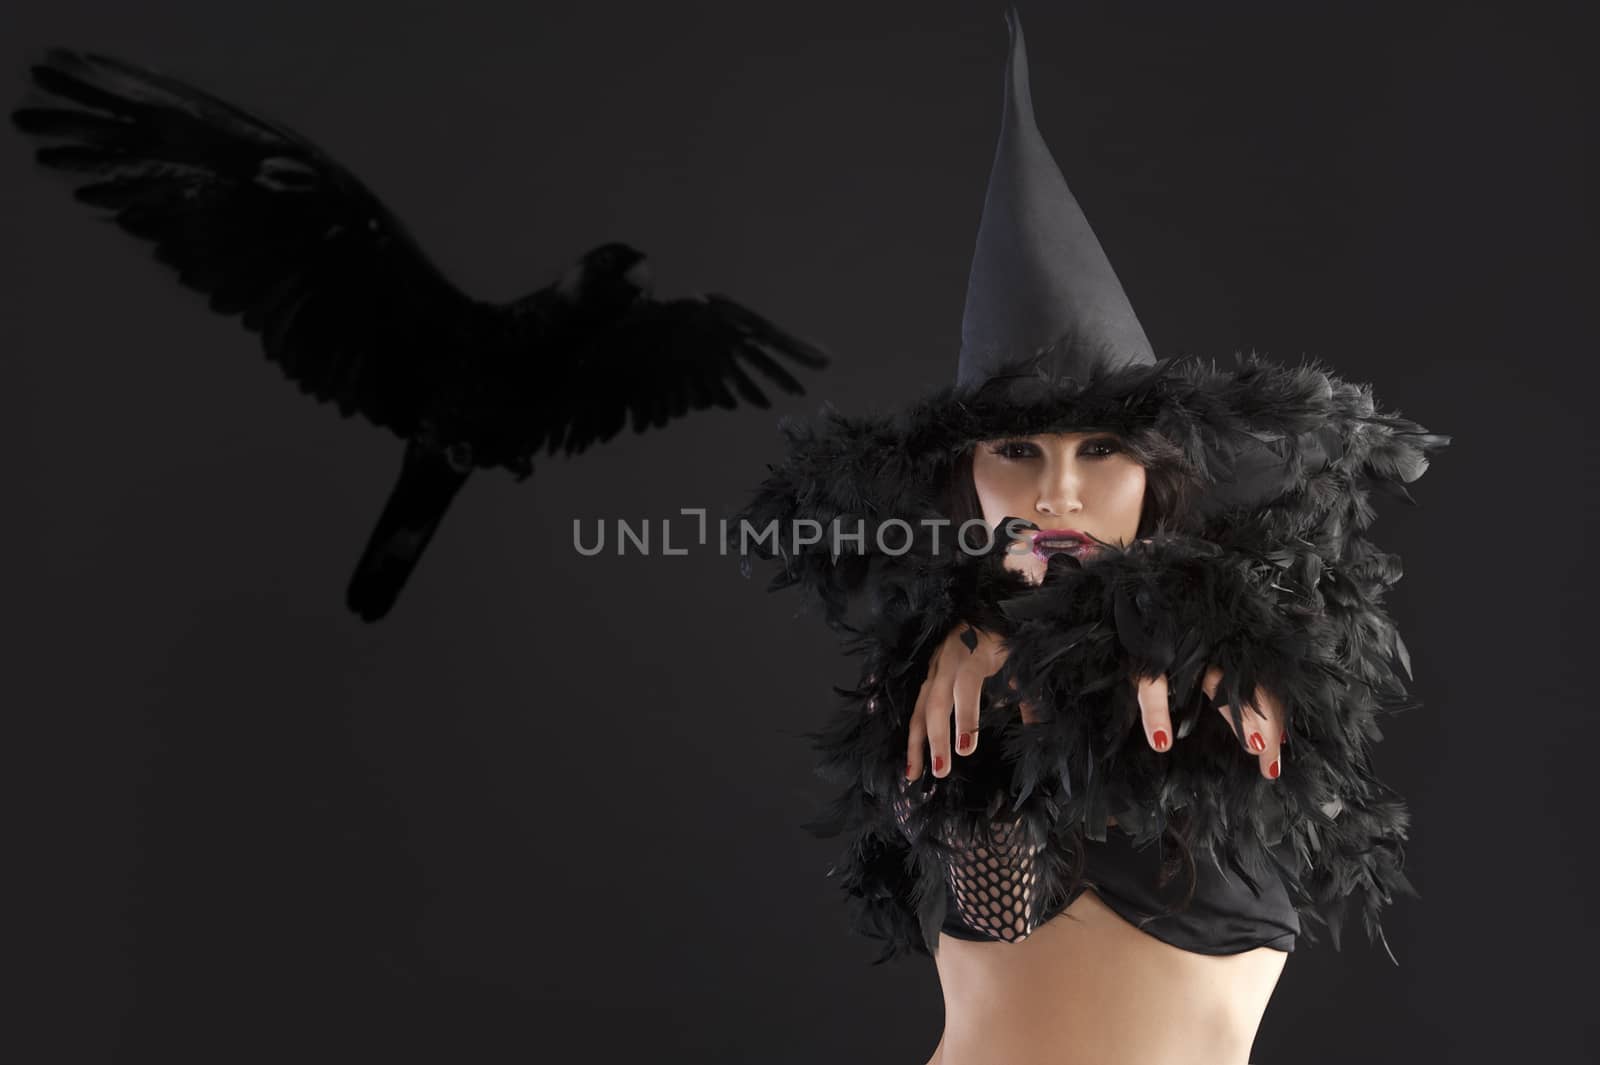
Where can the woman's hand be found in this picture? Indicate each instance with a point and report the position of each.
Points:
(1264, 733)
(957, 672)
(955, 676)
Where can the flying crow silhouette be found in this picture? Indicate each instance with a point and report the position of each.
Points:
(272, 229)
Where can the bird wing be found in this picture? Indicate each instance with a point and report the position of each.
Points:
(259, 219)
(664, 359)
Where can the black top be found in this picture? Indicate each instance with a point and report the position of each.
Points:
(991, 897)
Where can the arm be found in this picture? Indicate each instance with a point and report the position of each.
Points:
(969, 656)
(1218, 622)
(1308, 624)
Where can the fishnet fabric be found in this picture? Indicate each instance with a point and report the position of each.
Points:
(994, 878)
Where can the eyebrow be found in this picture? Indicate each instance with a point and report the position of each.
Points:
(1033, 439)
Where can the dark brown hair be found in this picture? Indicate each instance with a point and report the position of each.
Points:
(1170, 485)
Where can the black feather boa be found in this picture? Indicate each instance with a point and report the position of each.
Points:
(1280, 587)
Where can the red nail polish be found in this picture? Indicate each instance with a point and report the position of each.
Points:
(1160, 739)
(965, 742)
(938, 762)
(1257, 744)
(1272, 770)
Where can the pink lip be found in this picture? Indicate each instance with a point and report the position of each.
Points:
(1081, 544)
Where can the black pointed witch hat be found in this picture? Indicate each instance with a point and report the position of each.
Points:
(1050, 343)
(1041, 285)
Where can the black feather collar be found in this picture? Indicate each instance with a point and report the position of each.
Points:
(1280, 586)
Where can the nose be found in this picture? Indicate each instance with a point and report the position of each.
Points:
(1058, 491)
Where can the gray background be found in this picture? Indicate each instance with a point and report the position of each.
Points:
(553, 802)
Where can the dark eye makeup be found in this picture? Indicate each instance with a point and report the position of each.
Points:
(1018, 449)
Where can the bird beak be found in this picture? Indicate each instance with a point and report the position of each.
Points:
(638, 275)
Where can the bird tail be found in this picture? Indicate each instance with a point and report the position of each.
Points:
(415, 507)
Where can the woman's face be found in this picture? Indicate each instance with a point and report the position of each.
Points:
(1062, 482)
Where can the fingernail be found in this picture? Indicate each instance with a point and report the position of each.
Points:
(1272, 770)
(938, 763)
(908, 770)
(1257, 744)
(1160, 739)
(964, 744)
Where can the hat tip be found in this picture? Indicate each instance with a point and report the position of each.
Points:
(1013, 24)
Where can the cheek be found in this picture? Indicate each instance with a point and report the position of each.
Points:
(1124, 498)
(999, 489)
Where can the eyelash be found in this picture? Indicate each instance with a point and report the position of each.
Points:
(1003, 449)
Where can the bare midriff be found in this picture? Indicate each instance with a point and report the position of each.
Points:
(1088, 988)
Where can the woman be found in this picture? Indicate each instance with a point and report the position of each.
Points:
(1079, 552)
(1007, 1003)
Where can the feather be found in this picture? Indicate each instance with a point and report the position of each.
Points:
(1402, 654)
(1282, 589)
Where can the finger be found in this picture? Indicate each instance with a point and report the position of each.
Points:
(927, 683)
(921, 704)
(1271, 754)
(918, 732)
(1153, 710)
(914, 749)
(1030, 716)
(941, 697)
(1209, 684)
(1254, 739)
(968, 693)
(998, 654)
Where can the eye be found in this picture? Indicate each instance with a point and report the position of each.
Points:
(1102, 446)
(1015, 449)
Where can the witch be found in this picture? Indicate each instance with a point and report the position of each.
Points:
(1139, 596)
